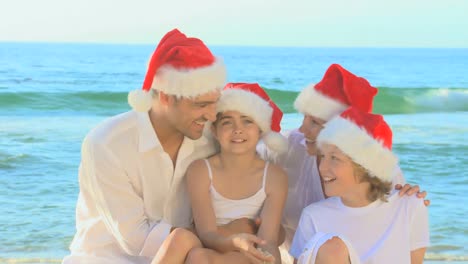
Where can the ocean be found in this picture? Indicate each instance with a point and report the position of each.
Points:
(51, 95)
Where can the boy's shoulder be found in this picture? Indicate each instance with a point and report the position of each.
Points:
(412, 203)
(330, 203)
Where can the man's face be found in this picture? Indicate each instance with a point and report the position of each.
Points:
(189, 115)
(311, 127)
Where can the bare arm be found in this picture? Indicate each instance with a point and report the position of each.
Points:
(276, 189)
(241, 225)
(198, 185)
(417, 256)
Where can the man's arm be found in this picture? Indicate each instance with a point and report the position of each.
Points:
(120, 208)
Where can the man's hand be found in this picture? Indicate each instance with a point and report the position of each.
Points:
(410, 190)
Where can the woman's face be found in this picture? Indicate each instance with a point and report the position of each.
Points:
(236, 133)
(337, 171)
(311, 127)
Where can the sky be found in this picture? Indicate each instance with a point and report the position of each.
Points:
(305, 23)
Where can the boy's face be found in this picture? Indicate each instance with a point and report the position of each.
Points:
(337, 172)
(189, 115)
(236, 132)
(311, 127)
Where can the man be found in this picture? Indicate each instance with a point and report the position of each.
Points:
(319, 103)
(132, 192)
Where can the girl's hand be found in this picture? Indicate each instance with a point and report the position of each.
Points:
(246, 244)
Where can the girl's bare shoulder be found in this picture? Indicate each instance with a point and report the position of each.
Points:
(197, 170)
(277, 177)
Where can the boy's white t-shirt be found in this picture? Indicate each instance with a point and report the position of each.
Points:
(382, 232)
(304, 185)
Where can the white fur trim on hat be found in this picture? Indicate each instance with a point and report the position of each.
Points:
(247, 103)
(364, 149)
(258, 109)
(190, 82)
(139, 100)
(314, 103)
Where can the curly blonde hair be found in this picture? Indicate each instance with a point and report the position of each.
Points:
(378, 189)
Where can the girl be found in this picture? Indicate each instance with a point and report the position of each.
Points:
(361, 222)
(236, 183)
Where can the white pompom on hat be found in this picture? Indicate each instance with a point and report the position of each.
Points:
(250, 99)
(179, 66)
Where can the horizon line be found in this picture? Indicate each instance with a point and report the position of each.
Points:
(227, 45)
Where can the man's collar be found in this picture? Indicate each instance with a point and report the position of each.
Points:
(147, 138)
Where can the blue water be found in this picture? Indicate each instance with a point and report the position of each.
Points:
(52, 94)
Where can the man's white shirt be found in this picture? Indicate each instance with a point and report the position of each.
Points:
(130, 192)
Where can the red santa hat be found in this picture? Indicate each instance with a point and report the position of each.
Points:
(338, 90)
(179, 66)
(251, 100)
(366, 138)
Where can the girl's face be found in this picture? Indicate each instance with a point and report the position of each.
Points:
(236, 133)
(311, 127)
(337, 172)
